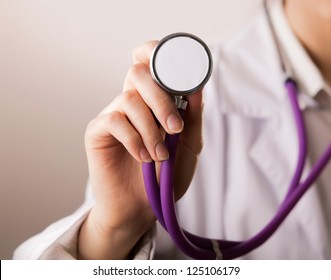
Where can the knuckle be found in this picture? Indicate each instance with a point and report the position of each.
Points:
(129, 96)
(136, 53)
(142, 52)
(165, 104)
(200, 146)
(163, 101)
(150, 45)
(90, 132)
(132, 140)
(89, 128)
(138, 69)
(113, 117)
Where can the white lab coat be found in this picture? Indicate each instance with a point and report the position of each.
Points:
(249, 155)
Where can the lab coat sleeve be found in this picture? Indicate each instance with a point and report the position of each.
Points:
(60, 240)
(65, 247)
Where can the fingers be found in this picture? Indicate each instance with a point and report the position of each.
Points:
(117, 125)
(156, 99)
(142, 53)
(131, 123)
(160, 102)
(163, 104)
(142, 120)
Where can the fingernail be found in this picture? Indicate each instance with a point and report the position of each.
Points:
(161, 152)
(175, 123)
(144, 155)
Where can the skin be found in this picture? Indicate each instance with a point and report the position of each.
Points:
(125, 134)
(310, 20)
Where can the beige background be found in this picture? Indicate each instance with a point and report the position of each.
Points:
(61, 61)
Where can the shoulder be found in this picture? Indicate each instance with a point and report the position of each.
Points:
(246, 69)
(253, 42)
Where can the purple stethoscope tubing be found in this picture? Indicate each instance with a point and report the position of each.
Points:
(161, 197)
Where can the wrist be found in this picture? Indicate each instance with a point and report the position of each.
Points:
(97, 241)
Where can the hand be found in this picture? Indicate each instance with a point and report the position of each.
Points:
(122, 137)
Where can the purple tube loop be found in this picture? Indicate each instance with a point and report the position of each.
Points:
(163, 204)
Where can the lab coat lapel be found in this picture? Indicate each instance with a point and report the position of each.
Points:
(275, 153)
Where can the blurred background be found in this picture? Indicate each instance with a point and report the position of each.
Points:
(61, 62)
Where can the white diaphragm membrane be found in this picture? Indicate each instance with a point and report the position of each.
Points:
(181, 64)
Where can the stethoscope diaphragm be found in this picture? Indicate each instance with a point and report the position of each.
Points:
(181, 64)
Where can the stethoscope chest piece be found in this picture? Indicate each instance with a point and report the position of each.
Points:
(181, 64)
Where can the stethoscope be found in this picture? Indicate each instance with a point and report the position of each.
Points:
(181, 64)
